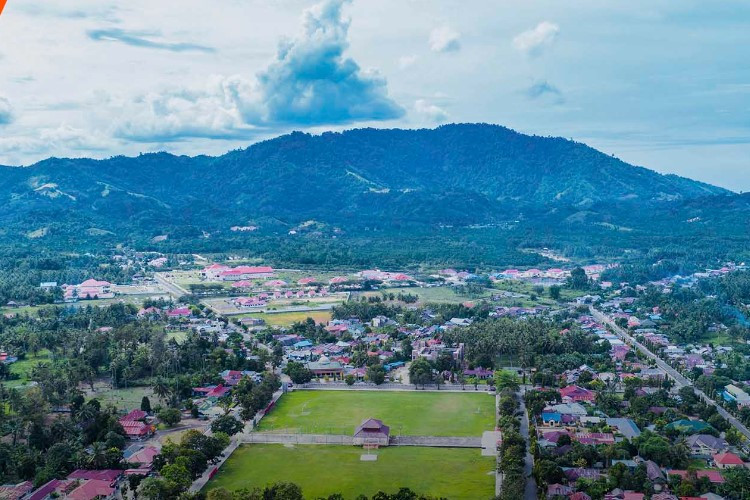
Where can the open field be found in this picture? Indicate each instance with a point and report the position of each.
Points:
(407, 413)
(124, 399)
(288, 318)
(224, 306)
(434, 295)
(23, 368)
(135, 299)
(187, 278)
(323, 470)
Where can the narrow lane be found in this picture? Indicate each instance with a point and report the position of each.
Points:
(530, 492)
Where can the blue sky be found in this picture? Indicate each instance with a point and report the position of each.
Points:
(661, 84)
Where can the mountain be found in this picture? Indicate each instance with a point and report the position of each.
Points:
(471, 176)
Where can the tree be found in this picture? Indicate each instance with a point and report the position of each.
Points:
(161, 389)
(146, 404)
(506, 380)
(349, 379)
(177, 476)
(169, 416)
(578, 279)
(298, 372)
(420, 372)
(554, 292)
(376, 374)
(227, 424)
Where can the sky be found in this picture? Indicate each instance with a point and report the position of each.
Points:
(661, 84)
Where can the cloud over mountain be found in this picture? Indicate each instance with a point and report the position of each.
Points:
(309, 82)
(430, 111)
(312, 82)
(535, 41)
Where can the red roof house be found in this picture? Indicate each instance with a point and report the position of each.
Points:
(577, 394)
(728, 460)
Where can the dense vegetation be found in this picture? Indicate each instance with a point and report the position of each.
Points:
(461, 194)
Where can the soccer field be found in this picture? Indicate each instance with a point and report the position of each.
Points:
(407, 413)
(323, 470)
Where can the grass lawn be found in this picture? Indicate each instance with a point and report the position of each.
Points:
(434, 295)
(23, 368)
(407, 413)
(124, 399)
(323, 470)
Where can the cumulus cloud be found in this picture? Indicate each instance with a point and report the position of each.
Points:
(445, 39)
(61, 141)
(535, 41)
(309, 82)
(215, 111)
(544, 89)
(430, 111)
(145, 39)
(6, 111)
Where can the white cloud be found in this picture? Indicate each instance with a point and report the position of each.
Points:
(430, 111)
(309, 83)
(64, 140)
(214, 111)
(445, 39)
(6, 111)
(405, 62)
(535, 41)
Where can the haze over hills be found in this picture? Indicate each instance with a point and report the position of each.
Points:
(416, 180)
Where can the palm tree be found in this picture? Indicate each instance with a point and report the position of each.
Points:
(98, 457)
(161, 389)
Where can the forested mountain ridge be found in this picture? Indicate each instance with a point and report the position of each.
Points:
(367, 179)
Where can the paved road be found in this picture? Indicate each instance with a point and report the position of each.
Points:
(679, 379)
(530, 491)
(174, 290)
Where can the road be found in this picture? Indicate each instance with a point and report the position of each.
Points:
(528, 467)
(680, 380)
(172, 289)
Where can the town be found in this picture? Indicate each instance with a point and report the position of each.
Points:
(566, 382)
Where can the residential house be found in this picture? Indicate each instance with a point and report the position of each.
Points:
(706, 445)
(559, 490)
(727, 460)
(574, 393)
(16, 491)
(734, 393)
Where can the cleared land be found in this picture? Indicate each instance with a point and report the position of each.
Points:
(289, 318)
(434, 295)
(323, 470)
(407, 413)
(124, 399)
(23, 368)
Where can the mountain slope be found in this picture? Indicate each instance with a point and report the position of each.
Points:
(455, 175)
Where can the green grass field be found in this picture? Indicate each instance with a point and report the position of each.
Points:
(289, 318)
(323, 470)
(124, 399)
(23, 368)
(436, 295)
(407, 413)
